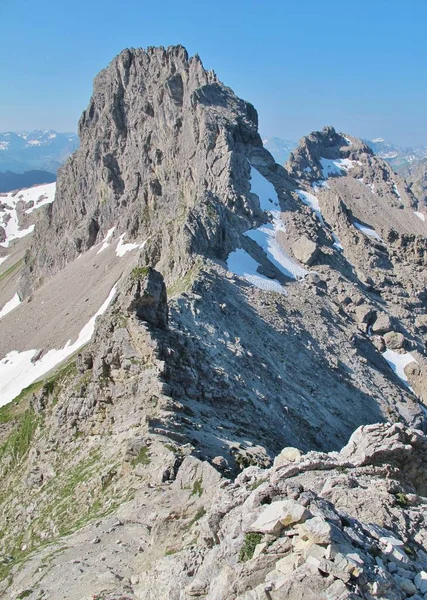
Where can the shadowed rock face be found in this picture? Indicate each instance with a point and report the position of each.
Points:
(161, 159)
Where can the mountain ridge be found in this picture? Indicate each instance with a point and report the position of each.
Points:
(243, 307)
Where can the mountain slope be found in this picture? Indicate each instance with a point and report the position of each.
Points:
(416, 176)
(242, 308)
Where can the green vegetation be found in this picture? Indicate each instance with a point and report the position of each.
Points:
(19, 440)
(199, 514)
(138, 272)
(256, 484)
(24, 594)
(197, 488)
(402, 500)
(250, 543)
(142, 458)
(11, 270)
(171, 551)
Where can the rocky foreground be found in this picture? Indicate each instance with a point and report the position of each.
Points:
(343, 525)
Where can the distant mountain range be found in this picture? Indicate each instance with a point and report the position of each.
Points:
(397, 156)
(278, 148)
(29, 158)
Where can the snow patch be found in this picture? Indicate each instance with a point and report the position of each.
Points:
(265, 237)
(18, 372)
(416, 213)
(367, 231)
(336, 166)
(122, 248)
(337, 244)
(106, 240)
(242, 264)
(39, 195)
(10, 305)
(309, 200)
(398, 362)
(395, 190)
(264, 190)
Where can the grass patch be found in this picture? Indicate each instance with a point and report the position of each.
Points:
(142, 457)
(11, 270)
(199, 514)
(402, 500)
(256, 484)
(138, 272)
(249, 544)
(197, 488)
(19, 440)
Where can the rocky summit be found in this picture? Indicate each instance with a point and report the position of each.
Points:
(213, 368)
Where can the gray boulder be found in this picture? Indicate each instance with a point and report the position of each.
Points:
(305, 250)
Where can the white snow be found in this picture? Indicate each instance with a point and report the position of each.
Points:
(40, 195)
(18, 372)
(10, 305)
(122, 248)
(367, 231)
(336, 166)
(310, 200)
(3, 258)
(265, 236)
(398, 362)
(45, 192)
(264, 190)
(320, 184)
(106, 240)
(420, 215)
(349, 142)
(395, 190)
(242, 264)
(337, 244)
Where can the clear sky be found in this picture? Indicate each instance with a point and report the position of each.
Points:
(357, 65)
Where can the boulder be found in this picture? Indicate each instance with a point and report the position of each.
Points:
(316, 530)
(305, 250)
(365, 315)
(278, 515)
(394, 340)
(382, 325)
(286, 456)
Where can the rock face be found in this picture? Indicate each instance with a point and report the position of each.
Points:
(192, 447)
(158, 160)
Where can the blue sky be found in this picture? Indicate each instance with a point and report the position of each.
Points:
(360, 66)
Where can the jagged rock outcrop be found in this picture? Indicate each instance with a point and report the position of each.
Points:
(159, 160)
